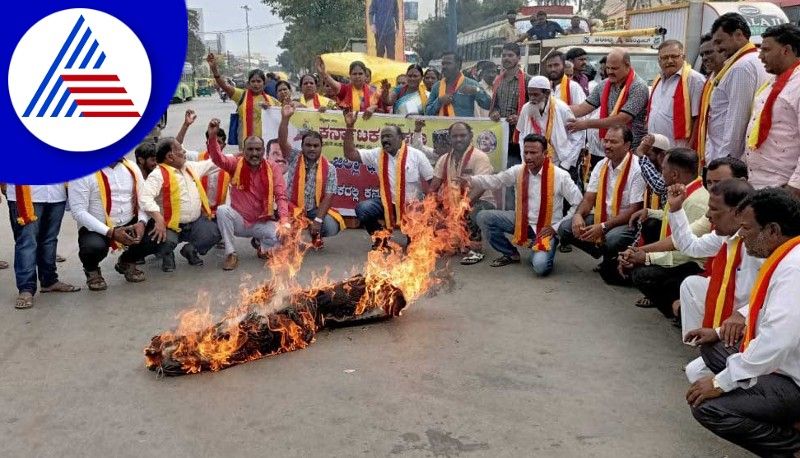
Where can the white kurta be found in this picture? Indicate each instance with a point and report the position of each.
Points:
(567, 146)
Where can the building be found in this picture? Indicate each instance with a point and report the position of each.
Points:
(215, 43)
(417, 11)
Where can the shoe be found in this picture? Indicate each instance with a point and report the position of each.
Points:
(131, 273)
(263, 254)
(473, 257)
(188, 252)
(231, 262)
(565, 248)
(168, 262)
(504, 261)
(95, 281)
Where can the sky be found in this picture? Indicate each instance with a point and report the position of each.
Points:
(220, 15)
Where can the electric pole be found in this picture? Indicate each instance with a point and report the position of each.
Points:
(247, 27)
(452, 25)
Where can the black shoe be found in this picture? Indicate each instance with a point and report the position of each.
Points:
(565, 248)
(168, 262)
(189, 252)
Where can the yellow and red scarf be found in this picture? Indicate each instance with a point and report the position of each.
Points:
(242, 178)
(399, 184)
(600, 212)
(651, 199)
(521, 95)
(298, 194)
(421, 90)
(105, 195)
(758, 134)
(699, 143)
(722, 286)
(759, 292)
(682, 107)
(547, 200)
(171, 196)
(25, 211)
(449, 110)
(666, 231)
(460, 166)
(223, 180)
(547, 132)
(565, 90)
(355, 98)
(248, 108)
(621, 99)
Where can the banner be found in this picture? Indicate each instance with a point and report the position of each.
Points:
(357, 182)
(385, 33)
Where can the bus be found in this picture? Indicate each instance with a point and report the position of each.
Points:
(186, 87)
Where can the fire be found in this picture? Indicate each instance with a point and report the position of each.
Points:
(280, 315)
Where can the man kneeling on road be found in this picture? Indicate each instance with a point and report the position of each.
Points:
(257, 187)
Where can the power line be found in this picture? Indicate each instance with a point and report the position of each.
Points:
(244, 29)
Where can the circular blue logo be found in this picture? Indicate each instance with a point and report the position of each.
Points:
(86, 83)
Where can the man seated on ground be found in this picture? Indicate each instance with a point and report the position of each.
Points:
(542, 189)
(416, 173)
(215, 183)
(754, 398)
(465, 160)
(105, 205)
(311, 181)
(659, 275)
(257, 189)
(717, 303)
(651, 152)
(175, 200)
(614, 193)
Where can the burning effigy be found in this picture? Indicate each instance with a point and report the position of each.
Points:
(280, 315)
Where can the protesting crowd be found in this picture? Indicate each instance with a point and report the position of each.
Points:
(688, 191)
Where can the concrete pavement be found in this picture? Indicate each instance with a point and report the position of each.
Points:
(503, 365)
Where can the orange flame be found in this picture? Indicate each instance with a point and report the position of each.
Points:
(199, 342)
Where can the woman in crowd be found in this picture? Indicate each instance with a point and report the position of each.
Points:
(410, 98)
(431, 77)
(310, 98)
(284, 92)
(356, 95)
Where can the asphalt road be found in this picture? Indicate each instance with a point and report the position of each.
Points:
(505, 364)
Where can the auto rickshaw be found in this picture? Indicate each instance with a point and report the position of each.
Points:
(205, 87)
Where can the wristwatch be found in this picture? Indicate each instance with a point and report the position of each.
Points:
(603, 227)
(318, 220)
(716, 385)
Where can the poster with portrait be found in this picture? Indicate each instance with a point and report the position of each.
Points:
(385, 33)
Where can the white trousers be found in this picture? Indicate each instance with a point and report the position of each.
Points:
(231, 225)
(697, 369)
(693, 303)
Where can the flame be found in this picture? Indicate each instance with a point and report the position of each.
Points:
(394, 278)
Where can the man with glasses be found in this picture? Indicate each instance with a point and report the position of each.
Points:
(675, 97)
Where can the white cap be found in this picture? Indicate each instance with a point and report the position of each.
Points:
(661, 142)
(539, 82)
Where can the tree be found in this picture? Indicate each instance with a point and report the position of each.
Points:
(195, 50)
(593, 9)
(286, 62)
(430, 43)
(317, 27)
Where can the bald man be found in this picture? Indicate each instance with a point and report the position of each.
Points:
(621, 81)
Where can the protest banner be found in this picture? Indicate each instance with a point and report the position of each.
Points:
(357, 182)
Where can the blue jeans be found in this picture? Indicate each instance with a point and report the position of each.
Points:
(35, 245)
(329, 225)
(369, 212)
(495, 224)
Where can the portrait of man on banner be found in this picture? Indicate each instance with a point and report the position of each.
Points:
(385, 29)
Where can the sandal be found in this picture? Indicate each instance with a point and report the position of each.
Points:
(60, 287)
(131, 273)
(644, 302)
(473, 257)
(3, 265)
(504, 261)
(24, 301)
(95, 281)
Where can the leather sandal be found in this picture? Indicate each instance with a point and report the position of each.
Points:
(60, 287)
(504, 261)
(24, 301)
(131, 273)
(95, 281)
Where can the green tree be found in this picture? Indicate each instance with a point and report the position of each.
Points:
(318, 26)
(195, 50)
(286, 62)
(593, 9)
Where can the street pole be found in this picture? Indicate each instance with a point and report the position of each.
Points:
(247, 26)
(452, 25)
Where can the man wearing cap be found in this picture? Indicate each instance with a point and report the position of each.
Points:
(544, 114)
(675, 98)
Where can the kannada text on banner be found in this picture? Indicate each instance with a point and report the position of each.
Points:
(357, 182)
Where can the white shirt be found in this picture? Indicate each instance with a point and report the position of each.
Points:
(776, 346)
(86, 204)
(709, 245)
(49, 193)
(730, 107)
(577, 96)
(416, 142)
(212, 177)
(567, 146)
(634, 187)
(418, 169)
(564, 188)
(593, 142)
(660, 120)
(150, 199)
